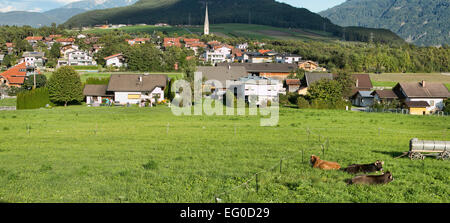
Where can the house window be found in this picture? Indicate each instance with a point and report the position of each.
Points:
(134, 96)
(432, 103)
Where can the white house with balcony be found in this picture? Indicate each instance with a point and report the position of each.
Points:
(218, 54)
(259, 89)
(78, 58)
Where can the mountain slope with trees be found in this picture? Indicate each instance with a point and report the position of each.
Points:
(191, 12)
(417, 21)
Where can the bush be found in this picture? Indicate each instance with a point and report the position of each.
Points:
(302, 103)
(65, 86)
(36, 98)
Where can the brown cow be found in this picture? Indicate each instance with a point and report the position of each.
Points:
(372, 179)
(316, 162)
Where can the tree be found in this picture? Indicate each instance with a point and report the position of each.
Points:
(28, 84)
(65, 86)
(325, 90)
(302, 103)
(55, 51)
(346, 82)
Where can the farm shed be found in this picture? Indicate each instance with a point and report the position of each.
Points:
(417, 107)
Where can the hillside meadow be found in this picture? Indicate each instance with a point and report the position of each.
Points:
(81, 154)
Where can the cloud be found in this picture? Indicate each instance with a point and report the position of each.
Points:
(7, 8)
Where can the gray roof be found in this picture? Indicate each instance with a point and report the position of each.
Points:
(311, 78)
(430, 90)
(95, 90)
(366, 94)
(223, 73)
(132, 82)
(263, 67)
(33, 54)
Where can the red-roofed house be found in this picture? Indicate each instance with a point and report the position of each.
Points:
(65, 41)
(131, 42)
(116, 60)
(15, 76)
(293, 85)
(168, 42)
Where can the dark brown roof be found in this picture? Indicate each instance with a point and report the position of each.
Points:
(293, 82)
(417, 104)
(264, 67)
(389, 94)
(95, 90)
(363, 81)
(132, 83)
(430, 90)
(222, 73)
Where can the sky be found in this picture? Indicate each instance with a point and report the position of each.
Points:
(44, 5)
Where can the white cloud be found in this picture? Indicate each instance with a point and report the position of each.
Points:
(7, 8)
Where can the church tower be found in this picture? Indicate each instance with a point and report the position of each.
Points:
(206, 28)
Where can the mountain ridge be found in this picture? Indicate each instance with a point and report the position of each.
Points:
(418, 22)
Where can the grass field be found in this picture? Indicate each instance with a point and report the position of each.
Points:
(80, 154)
(232, 30)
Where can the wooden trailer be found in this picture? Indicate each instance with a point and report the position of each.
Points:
(419, 149)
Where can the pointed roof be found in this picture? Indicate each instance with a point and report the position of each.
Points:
(16, 74)
(206, 28)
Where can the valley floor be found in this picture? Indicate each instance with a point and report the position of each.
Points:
(80, 154)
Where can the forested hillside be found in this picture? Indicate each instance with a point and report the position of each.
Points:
(263, 12)
(417, 21)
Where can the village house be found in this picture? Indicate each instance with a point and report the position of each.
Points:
(194, 45)
(269, 70)
(386, 96)
(287, 58)
(221, 74)
(169, 42)
(10, 47)
(293, 85)
(116, 60)
(65, 41)
(309, 65)
(33, 40)
(128, 89)
(138, 41)
(15, 76)
(417, 95)
(362, 99)
(2, 56)
(34, 59)
(67, 49)
(257, 90)
(311, 78)
(77, 58)
(242, 46)
(135, 88)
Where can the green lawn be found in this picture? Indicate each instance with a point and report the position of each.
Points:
(80, 154)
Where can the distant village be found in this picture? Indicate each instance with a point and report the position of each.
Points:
(264, 72)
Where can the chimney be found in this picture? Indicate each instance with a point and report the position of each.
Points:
(424, 84)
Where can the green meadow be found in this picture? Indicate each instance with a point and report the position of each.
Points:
(81, 154)
(231, 30)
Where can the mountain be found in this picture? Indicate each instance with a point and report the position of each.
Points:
(58, 15)
(261, 12)
(20, 18)
(417, 21)
(98, 4)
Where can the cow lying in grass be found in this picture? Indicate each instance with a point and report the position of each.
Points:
(316, 162)
(370, 180)
(365, 168)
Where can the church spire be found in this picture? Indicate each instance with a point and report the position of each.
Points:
(206, 28)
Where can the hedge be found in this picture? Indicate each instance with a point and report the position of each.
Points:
(36, 98)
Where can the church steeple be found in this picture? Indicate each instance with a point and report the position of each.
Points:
(206, 28)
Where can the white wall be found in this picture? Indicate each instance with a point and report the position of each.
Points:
(122, 97)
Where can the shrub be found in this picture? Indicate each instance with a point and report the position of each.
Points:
(302, 103)
(65, 86)
(36, 98)
(151, 165)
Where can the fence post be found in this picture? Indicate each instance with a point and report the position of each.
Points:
(303, 159)
(281, 164)
(323, 151)
(257, 182)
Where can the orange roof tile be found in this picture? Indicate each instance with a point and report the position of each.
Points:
(16, 74)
